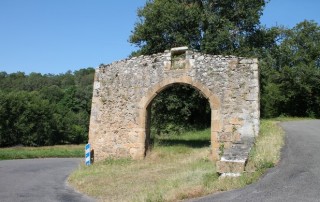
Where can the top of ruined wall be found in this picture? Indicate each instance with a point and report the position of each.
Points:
(228, 77)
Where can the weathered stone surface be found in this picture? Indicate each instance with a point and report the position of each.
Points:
(234, 158)
(123, 91)
(234, 167)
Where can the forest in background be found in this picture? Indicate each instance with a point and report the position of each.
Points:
(38, 110)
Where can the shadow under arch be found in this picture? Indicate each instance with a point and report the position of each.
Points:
(214, 101)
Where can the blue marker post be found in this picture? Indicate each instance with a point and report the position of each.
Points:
(87, 154)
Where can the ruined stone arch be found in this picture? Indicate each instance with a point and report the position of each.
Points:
(123, 90)
(213, 100)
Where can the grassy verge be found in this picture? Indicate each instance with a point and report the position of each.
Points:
(42, 152)
(177, 168)
(286, 118)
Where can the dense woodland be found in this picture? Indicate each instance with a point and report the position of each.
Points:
(37, 110)
(40, 109)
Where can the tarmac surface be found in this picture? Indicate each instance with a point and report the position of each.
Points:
(38, 180)
(295, 179)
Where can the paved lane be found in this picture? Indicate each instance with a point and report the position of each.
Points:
(38, 180)
(295, 179)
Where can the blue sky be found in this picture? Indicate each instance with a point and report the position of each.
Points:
(54, 36)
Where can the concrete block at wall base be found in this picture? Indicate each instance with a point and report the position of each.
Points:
(234, 158)
(230, 166)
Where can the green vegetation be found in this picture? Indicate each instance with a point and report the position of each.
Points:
(218, 27)
(40, 110)
(290, 72)
(179, 167)
(61, 151)
(178, 109)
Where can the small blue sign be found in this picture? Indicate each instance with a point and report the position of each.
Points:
(87, 154)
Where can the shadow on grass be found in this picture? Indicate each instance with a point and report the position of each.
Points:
(187, 143)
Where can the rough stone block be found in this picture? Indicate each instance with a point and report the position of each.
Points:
(236, 121)
(229, 128)
(229, 137)
(232, 166)
(216, 125)
(254, 67)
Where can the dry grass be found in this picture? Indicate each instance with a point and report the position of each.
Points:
(168, 173)
(162, 176)
(176, 171)
(266, 152)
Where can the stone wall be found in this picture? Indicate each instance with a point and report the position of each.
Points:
(124, 89)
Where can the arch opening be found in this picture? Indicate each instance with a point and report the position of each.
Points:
(178, 115)
(211, 117)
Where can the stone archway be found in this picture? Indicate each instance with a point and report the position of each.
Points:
(123, 90)
(213, 100)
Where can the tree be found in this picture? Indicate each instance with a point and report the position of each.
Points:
(300, 72)
(228, 26)
(291, 73)
(210, 26)
(25, 119)
(165, 24)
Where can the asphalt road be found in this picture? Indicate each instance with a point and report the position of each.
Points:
(295, 179)
(38, 180)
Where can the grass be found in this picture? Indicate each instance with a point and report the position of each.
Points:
(178, 167)
(286, 118)
(42, 152)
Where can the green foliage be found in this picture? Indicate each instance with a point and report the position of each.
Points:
(290, 73)
(229, 27)
(38, 110)
(179, 108)
(164, 24)
(25, 118)
(219, 27)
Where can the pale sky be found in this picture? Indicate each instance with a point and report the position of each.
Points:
(56, 36)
